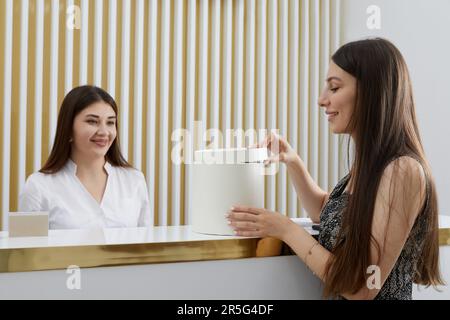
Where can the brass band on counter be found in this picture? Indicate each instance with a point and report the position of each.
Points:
(53, 258)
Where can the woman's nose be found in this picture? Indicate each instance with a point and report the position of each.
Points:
(102, 129)
(323, 101)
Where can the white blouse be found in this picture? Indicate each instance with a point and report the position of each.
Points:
(125, 202)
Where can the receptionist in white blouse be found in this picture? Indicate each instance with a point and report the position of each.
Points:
(86, 183)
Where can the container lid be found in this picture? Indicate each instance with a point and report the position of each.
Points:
(231, 156)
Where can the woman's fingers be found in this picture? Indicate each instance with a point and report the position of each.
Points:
(237, 208)
(275, 158)
(244, 225)
(265, 142)
(241, 216)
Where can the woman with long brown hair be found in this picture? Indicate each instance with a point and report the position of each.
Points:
(86, 182)
(381, 219)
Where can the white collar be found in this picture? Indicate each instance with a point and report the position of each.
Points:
(72, 167)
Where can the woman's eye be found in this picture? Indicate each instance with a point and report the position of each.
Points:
(334, 89)
(91, 121)
(111, 123)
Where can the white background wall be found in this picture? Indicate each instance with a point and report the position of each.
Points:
(419, 28)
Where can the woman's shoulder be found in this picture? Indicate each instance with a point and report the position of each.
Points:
(40, 177)
(406, 168)
(404, 182)
(39, 181)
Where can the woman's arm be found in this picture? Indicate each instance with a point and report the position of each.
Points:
(312, 197)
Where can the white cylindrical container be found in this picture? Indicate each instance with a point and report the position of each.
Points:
(222, 178)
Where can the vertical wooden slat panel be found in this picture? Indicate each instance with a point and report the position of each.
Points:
(214, 83)
(68, 76)
(151, 96)
(125, 77)
(177, 104)
(112, 21)
(335, 44)
(293, 93)
(249, 81)
(226, 62)
(76, 42)
(314, 77)
(260, 75)
(31, 88)
(46, 80)
(131, 85)
(39, 62)
(260, 95)
(282, 96)
(98, 34)
(7, 110)
(84, 40)
(272, 11)
(104, 39)
(164, 108)
(138, 79)
(190, 98)
(53, 111)
(68, 59)
(23, 96)
(304, 91)
(203, 67)
(61, 52)
(238, 12)
(323, 121)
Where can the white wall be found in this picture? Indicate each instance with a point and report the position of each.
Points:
(419, 28)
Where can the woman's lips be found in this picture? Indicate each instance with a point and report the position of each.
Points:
(331, 115)
(100, 143)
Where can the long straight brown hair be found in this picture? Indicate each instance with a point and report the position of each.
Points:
(74, 102)
(384, 127)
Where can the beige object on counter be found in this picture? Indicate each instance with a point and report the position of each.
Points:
(28, 224)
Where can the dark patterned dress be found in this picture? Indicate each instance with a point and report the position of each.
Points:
(399, 283)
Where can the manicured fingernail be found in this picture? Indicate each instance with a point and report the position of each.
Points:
(232, 208)
(229, 222)
(227, 215)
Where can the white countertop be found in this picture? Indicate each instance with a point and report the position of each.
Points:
(117, 236)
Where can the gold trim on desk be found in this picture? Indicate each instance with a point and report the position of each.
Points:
(87, 256)
(444, 237)
(51, 258)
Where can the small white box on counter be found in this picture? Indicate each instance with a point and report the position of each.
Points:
(28, 224)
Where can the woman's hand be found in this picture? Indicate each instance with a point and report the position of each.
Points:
(280, 148)
(256, 222)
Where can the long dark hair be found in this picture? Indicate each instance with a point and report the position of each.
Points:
(74, 102)
(384, 128)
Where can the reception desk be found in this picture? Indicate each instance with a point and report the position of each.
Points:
(140, 263)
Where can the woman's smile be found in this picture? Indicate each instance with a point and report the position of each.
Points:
(100, 142)
(331, 114)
